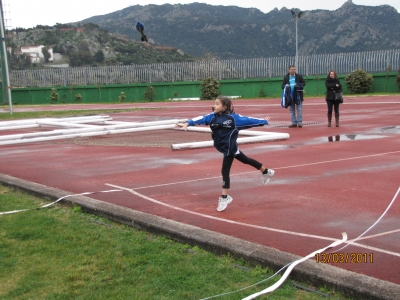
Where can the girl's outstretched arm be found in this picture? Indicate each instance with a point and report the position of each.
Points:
(182, 125)
(243, 122)
(201, 120)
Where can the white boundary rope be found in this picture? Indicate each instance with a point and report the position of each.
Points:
(376, 222)
(59, 199)
(292, 265)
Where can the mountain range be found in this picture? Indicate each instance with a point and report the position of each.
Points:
(231, 32)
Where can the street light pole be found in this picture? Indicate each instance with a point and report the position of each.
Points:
(296, 17)
(4, 62)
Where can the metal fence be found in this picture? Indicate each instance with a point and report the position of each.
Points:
(342, 63)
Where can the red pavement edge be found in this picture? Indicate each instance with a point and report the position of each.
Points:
(350, 284)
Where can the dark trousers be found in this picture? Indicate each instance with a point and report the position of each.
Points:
(227, 164)
(334, 105)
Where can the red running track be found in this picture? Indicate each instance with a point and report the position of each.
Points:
(327, 180)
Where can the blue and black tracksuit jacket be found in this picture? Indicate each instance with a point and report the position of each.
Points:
(225, 129)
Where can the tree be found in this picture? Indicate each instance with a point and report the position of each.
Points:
(46, 54)
(19, 62)
(83, 46)
(99, 56)
(80, 58)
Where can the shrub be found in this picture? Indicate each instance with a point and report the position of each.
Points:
(209, 89)
(261, 94)
(398, 78)
(78, 97)
(122, 97)
(149, 93)
(359, 82)
(54, 95)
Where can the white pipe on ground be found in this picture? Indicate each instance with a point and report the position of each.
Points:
(87, 134)
(66, 132)
(118, 127)
(260, 138)
(22, 124)
(66, 124)
(241, 132)
(19, 127)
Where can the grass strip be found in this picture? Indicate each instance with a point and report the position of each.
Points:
(62, 253)
(64, 113)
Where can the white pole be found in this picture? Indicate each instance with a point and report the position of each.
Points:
(297, 49)
(241, 132)
(66, 124)
(123, 127)
(3, 44)
(67, 119)
(260, 138)
(67, 132)
(86, 134)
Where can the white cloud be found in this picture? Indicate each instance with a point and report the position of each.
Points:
(28, 13)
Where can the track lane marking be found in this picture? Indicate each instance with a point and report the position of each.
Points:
(350, 242)
(276, 168)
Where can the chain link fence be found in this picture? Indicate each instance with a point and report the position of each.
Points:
(342, 63)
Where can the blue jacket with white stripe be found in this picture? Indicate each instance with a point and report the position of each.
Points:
(225, 128)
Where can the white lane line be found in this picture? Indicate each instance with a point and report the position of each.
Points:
(217, 218)
(379, 234)
(373, 248)
(337, 160)
(279, 168)
(247, 225)
(377, 221)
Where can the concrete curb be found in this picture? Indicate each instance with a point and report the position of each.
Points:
(356, 286)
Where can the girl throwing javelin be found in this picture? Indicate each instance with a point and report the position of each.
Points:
(225, 125)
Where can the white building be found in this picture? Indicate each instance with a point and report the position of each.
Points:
(36, 54)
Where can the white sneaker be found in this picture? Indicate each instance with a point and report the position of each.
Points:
(266, 177)
(223, 202)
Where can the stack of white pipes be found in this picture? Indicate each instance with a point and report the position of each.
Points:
(75, 127)
(255, 136)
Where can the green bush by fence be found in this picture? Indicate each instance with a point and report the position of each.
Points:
(246, 88)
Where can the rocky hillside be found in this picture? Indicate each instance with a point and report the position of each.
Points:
(229, 32)
(188, 32)
(90, 45)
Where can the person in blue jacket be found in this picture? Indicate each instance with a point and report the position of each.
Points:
(140, 28)
(296, 83)
(225, 125)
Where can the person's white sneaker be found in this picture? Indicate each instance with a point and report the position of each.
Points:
(223, 202)
(266, 177)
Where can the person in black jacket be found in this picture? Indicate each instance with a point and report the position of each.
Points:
(296, 83)
(225, 125)
(333, 85)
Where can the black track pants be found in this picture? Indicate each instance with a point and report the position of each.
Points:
(227, 164)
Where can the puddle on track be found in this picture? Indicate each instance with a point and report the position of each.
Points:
(352, 137)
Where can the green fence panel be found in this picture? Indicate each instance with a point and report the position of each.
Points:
(246, 88)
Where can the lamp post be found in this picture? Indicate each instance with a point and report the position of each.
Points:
(296, 17)
(4, 62)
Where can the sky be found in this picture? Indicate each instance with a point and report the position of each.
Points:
(29, 13)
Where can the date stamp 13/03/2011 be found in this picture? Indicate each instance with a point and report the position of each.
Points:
(339, 257)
